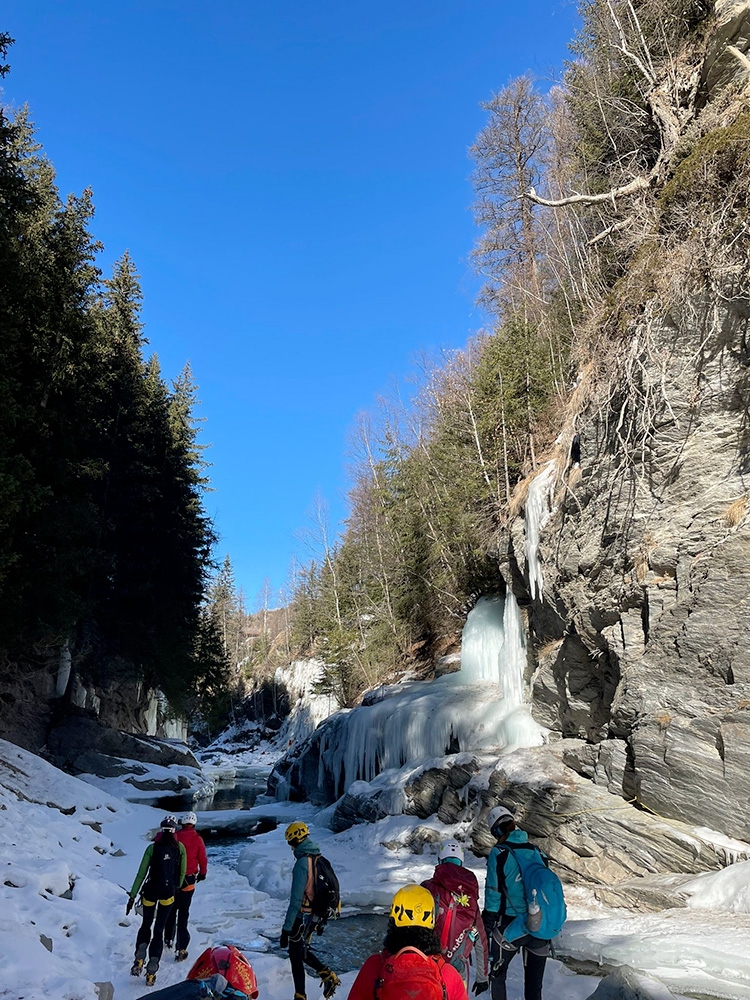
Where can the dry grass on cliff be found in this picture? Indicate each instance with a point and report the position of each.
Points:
(735, 512)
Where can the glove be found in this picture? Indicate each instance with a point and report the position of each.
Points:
(201, 877)
(284, 939)
(480, 986)
(129, 905)
(490, 919)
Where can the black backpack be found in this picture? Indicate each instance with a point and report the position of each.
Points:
(164, 870)
(326, 900)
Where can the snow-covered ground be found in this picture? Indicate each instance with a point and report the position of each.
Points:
(70, 847)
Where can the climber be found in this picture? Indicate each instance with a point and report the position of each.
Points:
(162, 872)
(459, 925)
(295, 932)
(505, 904)
(197, 866)
(410, 964)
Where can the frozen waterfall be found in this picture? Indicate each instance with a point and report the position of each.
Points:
(537, 511)
(479, 708)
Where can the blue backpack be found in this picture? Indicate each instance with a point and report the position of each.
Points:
(537, 877)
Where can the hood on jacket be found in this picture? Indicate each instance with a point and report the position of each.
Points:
(307, 847)
(515, 837)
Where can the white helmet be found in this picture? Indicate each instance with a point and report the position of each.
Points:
(451, 849)
(189, 819)
(497, 815)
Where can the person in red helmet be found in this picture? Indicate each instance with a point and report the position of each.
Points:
(197, 867)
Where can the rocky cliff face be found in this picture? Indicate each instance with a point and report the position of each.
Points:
(642, 633)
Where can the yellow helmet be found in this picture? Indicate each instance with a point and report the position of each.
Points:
(413, 906)
(295, 833)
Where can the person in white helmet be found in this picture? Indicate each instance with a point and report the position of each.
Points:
(504, 903)
(197, 867)
(459, 925)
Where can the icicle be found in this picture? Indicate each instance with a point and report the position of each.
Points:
(537, 511)
(481, 707)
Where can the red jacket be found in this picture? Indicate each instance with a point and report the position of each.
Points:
(195, 850)
(197, 864)
(368, 975)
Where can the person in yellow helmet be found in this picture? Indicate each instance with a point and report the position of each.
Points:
(410, 963)
(293, 934)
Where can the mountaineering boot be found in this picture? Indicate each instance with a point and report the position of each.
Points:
(180, 955)
(151, 969)
(330, 982)
(300, 996)
(136, 968)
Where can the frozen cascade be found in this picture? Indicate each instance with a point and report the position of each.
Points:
(537, 511)
(309, 709)
(478, 708)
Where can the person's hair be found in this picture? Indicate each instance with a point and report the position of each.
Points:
(423, 938)
(503, 828)
(166, 836)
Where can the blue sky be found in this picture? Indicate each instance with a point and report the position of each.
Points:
(292, 182)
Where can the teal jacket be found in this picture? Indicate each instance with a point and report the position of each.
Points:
(299, 880)
(511, 889)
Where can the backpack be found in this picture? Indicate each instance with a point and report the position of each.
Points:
(229, 962)
(537, 875)
(326, 898)
(456, 917)
(411, 974)
(164, 871)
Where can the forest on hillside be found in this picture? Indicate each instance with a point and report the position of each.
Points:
(105, 545)
(618, 188)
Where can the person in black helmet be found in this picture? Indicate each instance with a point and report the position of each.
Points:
(161, 873)
(504, 902)
(293, 934)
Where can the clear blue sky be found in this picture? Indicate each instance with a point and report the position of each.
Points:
(292, 182)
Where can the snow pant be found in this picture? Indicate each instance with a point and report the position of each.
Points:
(300, 955)
(178, 915)
(156, 946)
(535, 952)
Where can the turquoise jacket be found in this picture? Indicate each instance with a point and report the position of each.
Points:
(299, 881)
(511, 890)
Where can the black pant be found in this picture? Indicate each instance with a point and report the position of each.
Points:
(179, 915)
(535, 953)
(156, 947)
(300, 955)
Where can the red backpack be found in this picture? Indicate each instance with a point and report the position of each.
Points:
(411, 975)
(233, 966)
(456, 891)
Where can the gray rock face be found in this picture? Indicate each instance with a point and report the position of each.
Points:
(82, 745)
(642, 634)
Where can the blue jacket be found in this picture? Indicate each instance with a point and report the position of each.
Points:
(299, 880)
(512, 890)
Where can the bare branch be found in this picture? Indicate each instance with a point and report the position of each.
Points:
(632, 187)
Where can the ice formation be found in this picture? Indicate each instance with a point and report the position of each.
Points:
(537, 511)
(481, 707)
(308, 708)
